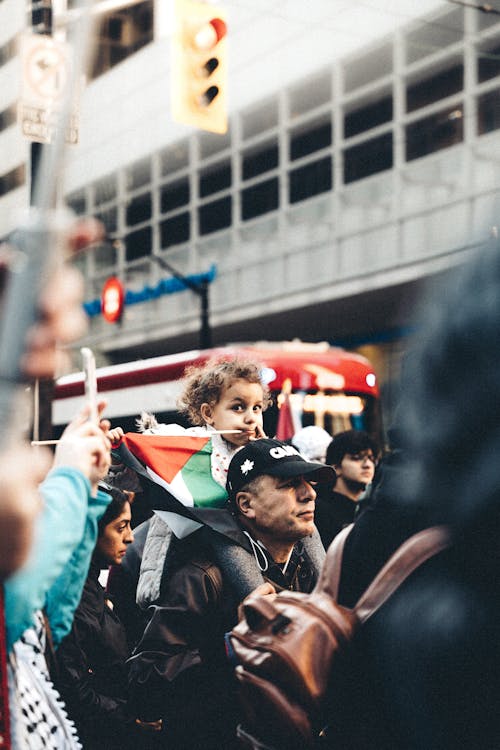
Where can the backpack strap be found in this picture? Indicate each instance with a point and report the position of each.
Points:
(407, 558)
(329, 579)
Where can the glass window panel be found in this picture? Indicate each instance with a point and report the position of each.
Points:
(310, 94)
(259, 160)
(77, 203)
(8, 117)
(105, 190)
(368, 158)
(260, 199)
(310, 180)
(215, 178)
(175, 231)
(261, 118)
(174, 195)
(138, 244)
(138, 174)
(367, 68)
(109, 218)
(104, 255)
(13, 179)
(488, 112)
(429, 38)
(174, 158)
(311, 138)
(434, 88)
(139, 209)
(367, 117)
(488, 64)
(213, 143)
(434, 133)
(216, 215)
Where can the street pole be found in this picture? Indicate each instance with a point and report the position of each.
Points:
(201, 290)
(43, 389)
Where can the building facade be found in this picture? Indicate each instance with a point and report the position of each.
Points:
(320, 212)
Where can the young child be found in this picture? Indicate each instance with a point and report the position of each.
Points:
(224, 398)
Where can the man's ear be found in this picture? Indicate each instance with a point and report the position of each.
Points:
(244, 504)
(206, 413)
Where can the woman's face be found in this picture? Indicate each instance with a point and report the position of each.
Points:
(117, 534)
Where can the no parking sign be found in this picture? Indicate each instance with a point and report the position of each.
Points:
(46, 71)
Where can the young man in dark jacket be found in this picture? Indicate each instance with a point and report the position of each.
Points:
(353, 455)
(180, 672)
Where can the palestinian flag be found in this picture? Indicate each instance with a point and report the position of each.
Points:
(179, 463)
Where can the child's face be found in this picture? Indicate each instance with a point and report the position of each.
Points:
(239, 408)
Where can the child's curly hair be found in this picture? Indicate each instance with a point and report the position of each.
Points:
(206, 383)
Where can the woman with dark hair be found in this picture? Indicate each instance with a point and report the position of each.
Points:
(91, 670)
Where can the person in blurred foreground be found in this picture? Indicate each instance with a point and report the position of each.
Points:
(424, 673)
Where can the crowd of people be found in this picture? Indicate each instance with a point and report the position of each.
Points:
(139, 660)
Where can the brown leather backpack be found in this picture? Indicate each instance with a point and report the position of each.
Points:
(285, 647)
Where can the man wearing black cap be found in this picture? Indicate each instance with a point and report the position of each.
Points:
(179, 672)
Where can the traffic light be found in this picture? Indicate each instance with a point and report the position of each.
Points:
(112, 300)
(199, 71)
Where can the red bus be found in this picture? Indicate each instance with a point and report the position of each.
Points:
(328, 386)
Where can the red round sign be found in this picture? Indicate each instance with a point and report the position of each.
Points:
(112, 299)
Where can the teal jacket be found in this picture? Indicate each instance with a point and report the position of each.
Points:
(54, 575)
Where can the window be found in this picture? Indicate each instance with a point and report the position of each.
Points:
(368, 158)
(365, 69)
(260, 199)
(121, 33)
(215, 216)
(8, 117)
(307, 140)
(174, 158)
(488, 112)
(105, 190)
(261, 118)
(215, 178)
(434, 133)
(368, 117)
(257, 161)
(77, 203)
(175, 231)
(139, 209)
(13, 179)
(429, 38)
(104, 255)
(139, 174)
(488, 64)
(174, 195)
(311, 94)
(109, 218)
(434, 88)
(138, 244)
(310, 180)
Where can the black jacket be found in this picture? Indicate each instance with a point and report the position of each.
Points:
(91, 668)
(333, 511)
(179, 671)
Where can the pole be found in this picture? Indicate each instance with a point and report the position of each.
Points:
(201, 290)
(43, 389)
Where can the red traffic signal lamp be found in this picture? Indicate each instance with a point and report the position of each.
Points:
(199, 71)
(112, 300)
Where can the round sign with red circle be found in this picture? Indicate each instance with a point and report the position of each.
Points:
(112, 299)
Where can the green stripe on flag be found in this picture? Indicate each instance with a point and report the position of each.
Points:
(197, 474)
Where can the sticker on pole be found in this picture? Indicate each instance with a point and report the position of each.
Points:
(46, 72)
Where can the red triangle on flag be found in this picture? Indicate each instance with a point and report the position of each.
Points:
(285, 429)
(166, 455)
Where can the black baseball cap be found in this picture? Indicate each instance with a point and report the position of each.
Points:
(273, 457)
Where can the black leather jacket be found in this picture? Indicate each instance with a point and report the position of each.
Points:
(179, 671)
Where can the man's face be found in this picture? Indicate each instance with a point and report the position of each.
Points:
(281, 510)
(357, 467)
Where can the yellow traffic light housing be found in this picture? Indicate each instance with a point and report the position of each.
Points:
(199, 71)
